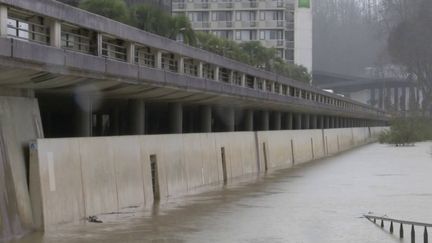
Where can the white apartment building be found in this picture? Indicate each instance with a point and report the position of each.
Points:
(285, 25)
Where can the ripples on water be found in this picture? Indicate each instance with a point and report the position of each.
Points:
(319, 202)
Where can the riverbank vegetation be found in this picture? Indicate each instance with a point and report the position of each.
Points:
(407, 131)
(157, 21)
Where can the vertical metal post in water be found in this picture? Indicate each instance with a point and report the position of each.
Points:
(425, 235)
(401, 233)
(382, 223)
(391, 227)
(412, 234)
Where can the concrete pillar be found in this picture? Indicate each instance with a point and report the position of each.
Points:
(264, 121)
(206, 118)
(85, 117)
(131, 53)
(3, 21)
(289, 121)
(321, 122)
(231, 77)
(306, 124)
(314, 121)
(158, 60)
(381, 98)
(243, 80)
(276, 120)
(248, 126)
(216, 73)
(396, 99)
(337, 124)
(230, 119)
(99, 40)
(298, 121)
(326, 122)
(176, 118)
(200, 70)
(137, 116)
(180, 66)
(55, 33)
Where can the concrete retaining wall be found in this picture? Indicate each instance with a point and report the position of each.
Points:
(90, 176)
(19, 123)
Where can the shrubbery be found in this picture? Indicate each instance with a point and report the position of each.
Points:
(407, 131)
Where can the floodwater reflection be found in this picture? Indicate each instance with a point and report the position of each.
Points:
(320, 202)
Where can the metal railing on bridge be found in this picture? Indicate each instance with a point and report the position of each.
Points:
(382, 219)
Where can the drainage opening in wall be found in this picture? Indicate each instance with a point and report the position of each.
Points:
(224, 167)
(155, 177)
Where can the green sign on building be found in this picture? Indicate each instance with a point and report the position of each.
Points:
(304, 4)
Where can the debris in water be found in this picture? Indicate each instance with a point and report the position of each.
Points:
(94, 219)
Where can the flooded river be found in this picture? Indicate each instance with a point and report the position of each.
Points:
(319, 202)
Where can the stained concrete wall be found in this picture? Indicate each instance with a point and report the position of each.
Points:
(108, 174)
(19, 123)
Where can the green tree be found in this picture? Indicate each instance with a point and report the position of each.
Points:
(180, 25)
(113, 9)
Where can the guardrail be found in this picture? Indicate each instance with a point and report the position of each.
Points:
(383, 219)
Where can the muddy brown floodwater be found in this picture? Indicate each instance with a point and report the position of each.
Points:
(318, 202)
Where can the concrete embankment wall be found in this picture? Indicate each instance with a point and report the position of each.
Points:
(73, 178)
(19, 123)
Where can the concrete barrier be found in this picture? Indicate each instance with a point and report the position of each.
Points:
(97, 175)
(20, 122)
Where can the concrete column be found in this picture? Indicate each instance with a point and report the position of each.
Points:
(243, 80)
(85, 117)
(403, 104)
(276, 120)
(200, 70)
(55, 33)
(176, 118)
(326, 122)
(231, 77)
(272, 87)
(99, 41)
(289, 121)
(158, 60)
(216, 73)
(137, 116)
(396, 98)
(249, 120)
(131, 53)
(321, 122)
(337, 124)
(264, 121)
(3, 20)
(381, 98)
(298, 121)
(306, 121)
(206, 118)
(264, 84)
(314, 121)
(180, 66)
(230, 119)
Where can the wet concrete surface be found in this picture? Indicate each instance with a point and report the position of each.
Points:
(319, 202)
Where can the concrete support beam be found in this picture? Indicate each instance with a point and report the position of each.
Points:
(180, 66)
(99, 40)
(158, 59)
(314, 121)
(206, 119)
(243, 80)
(131, 53)
(276, 120)
(264, 121)
(3, 20)
(200, 70)
(176, 118)
(55, 33)
(248, 126)
(216, 73)
(321, 122)
(230, 118)
(298, 118)
(137, 116)
(306, 124)
(289, 121)
(326, 122)
(85, 116)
